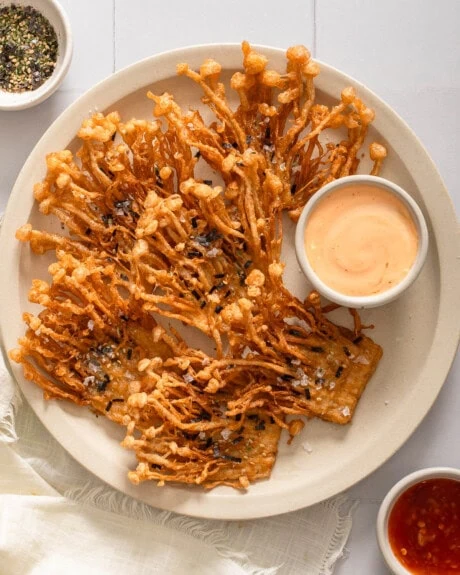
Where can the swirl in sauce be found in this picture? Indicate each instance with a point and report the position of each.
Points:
(361, 240)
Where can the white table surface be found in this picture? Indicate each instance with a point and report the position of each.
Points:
(407, 51)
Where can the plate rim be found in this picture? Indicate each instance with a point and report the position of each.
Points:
(446, 250)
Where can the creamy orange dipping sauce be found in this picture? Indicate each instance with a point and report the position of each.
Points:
(361, 240)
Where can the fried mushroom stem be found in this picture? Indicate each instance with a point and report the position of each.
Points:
(152, 242)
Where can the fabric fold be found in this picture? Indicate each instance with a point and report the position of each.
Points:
(57, 517)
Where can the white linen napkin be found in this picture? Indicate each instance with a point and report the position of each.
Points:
(47, 527)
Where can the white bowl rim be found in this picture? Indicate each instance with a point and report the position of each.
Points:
(31, 98)
(375, 299)
(390, 499)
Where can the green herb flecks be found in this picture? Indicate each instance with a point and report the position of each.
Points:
(28, 48)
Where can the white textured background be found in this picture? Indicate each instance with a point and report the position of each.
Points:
(407, 51)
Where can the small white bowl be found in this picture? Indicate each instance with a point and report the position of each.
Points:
(375, 299)
(58, 19)
(387, 505)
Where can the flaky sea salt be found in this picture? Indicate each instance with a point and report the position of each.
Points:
(345, 411)
(93, 366)
(213, 252)
(361, 360)
(88, 380)
(307, 447)
(295, 321)
(246, 351)
(91, 325)
(202, 435)
(187, 378)
(301, 378)
(225, 433)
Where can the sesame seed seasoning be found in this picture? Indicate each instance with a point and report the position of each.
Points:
(28, 48)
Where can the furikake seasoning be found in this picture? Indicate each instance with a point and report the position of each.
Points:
(28, 48)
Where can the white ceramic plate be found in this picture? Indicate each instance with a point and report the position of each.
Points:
(419, 332)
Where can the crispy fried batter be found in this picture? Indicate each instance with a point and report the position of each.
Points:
(150, 242)
(233, 457)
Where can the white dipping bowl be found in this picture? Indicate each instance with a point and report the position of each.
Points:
(369, 300)
(56, 16)
(387, 505)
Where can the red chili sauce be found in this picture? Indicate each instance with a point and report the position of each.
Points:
(424, 528)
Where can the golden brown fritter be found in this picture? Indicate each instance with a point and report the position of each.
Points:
(150, 242)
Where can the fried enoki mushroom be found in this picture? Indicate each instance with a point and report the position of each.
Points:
(151, 242)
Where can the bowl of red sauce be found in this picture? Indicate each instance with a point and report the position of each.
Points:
(418, 524)
(361, 241)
